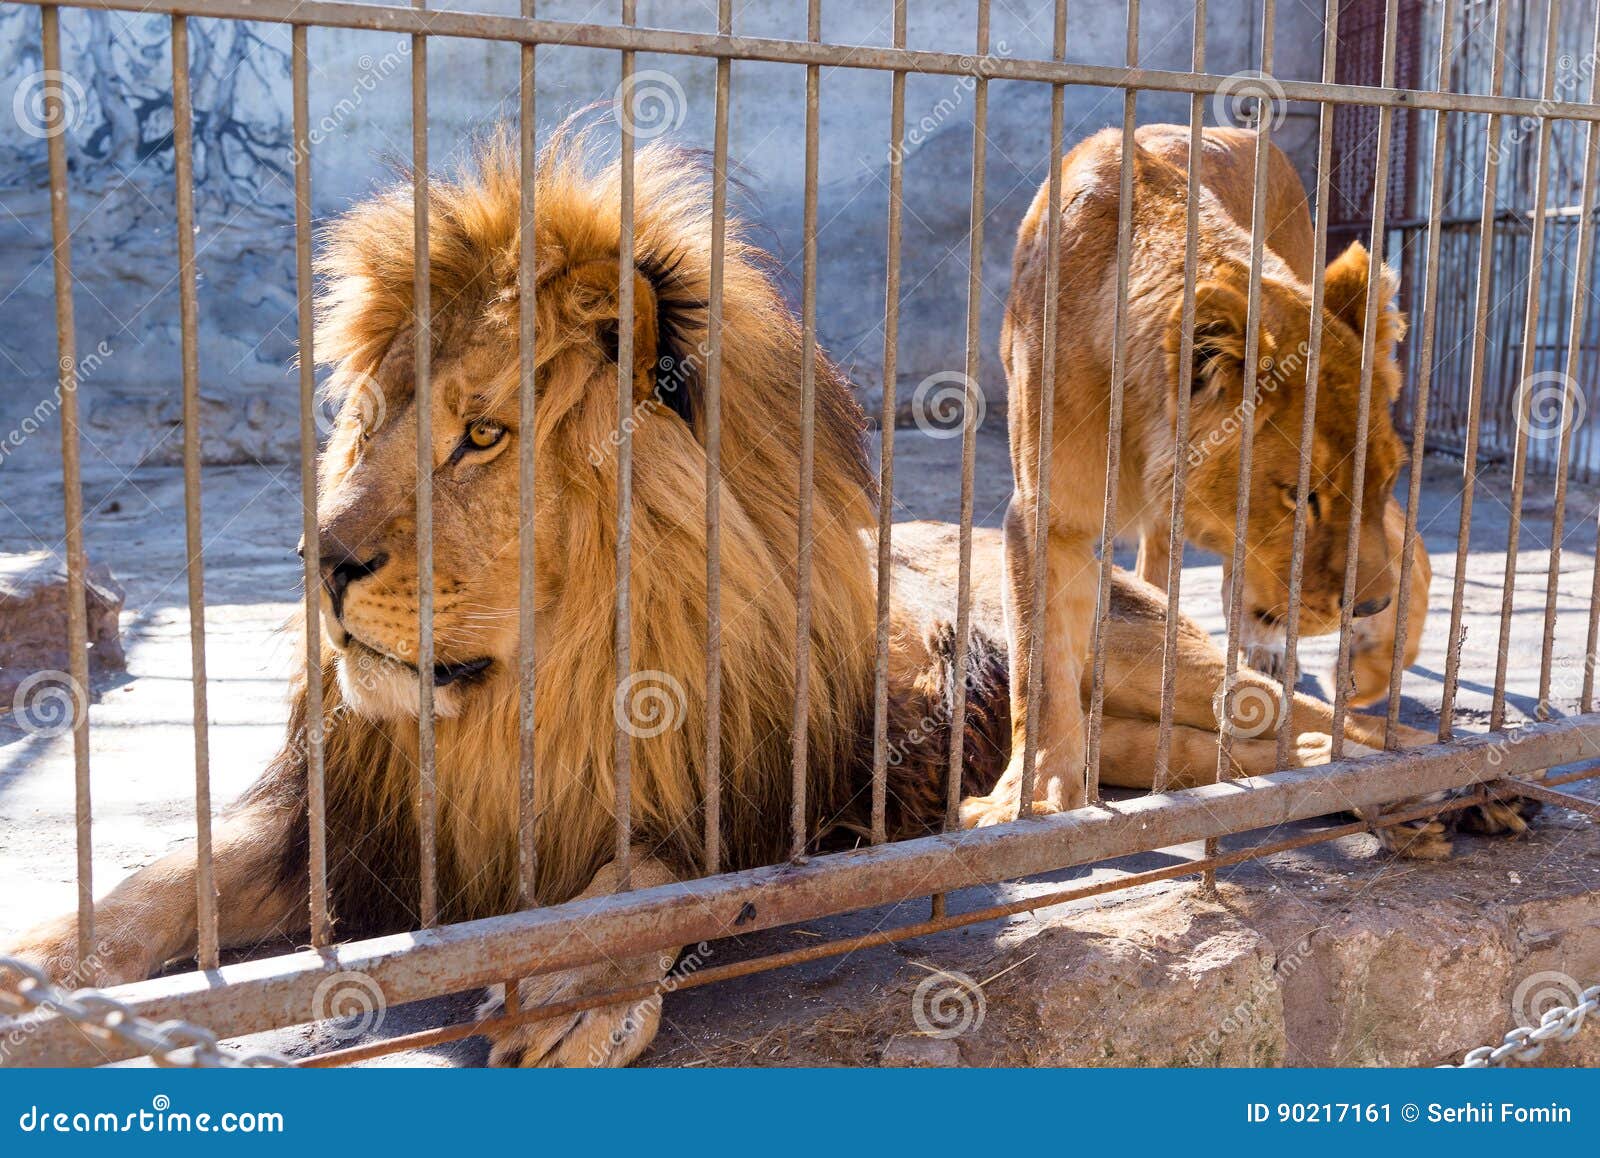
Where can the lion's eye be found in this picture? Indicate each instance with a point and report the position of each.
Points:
(483, 434)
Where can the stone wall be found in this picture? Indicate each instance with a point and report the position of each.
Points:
(120, 150)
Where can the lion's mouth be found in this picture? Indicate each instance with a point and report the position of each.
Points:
(445, 674)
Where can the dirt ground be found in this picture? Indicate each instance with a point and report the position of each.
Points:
(142, 746)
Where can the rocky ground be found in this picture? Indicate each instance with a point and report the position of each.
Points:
(1332, 953)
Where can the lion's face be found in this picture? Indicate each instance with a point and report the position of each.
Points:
(1280, 413)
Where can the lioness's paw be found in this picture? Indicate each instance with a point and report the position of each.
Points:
(982, 811)
(1500, 817)
(611, 1035)
(1418, 840)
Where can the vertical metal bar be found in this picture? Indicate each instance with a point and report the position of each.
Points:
(1423, 379)
(1380, 198)
(428, 802)
(55, 109)
(316, 781)
(1247, 412)
(1308, 418)
(527, 479)
(194, 538)
(1119, 375)
(1480, 310)
(719, 226)
(1040, 578)
(808, 439)
(623, 782)
(969, 418)
(1529, 361)
(1180, 429)
(1570, 387)
(886, 427)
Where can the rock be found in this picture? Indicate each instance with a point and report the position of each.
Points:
(33, 619)
(905, 1050)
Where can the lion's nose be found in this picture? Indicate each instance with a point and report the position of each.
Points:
(340, 571)
(1370, 607)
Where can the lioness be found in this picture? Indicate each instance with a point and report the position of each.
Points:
(366, 521)
(1089, 191)
(1228, 173)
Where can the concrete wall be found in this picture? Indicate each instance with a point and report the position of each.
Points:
(124, 249)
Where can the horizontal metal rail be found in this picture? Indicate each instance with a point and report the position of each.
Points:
(280, 991)
(482, 26)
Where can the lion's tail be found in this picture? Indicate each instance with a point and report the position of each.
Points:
(920, 719)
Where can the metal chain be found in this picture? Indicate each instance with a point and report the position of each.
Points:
(1527, 1042)
(171, 1044)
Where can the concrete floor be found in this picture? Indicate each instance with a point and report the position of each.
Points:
(140, 721)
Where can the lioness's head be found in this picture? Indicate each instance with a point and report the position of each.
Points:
(1214, 454)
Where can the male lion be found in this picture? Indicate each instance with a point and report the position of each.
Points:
(1228, 173)
(366, 517)
(1089, 194)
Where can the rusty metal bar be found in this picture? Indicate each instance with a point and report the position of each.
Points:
(527, 481)
(1119, 378)
(1469, 469)
(1308, 418)
(194, 537)
(1569, 386)
(316, 779)
(481, 26)
(886, 428)
(423, 1039)
(55, 113)
(427, 780)
(719, 229)
(1251, 388)
(253, 996)
(623, 772)
(1529, 362)
(971, 411)
(1424, 380)
(1369, 335)
(1180, 427)
(1039, 581)
(808, 442)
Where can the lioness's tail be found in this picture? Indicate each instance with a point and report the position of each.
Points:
(920, 718)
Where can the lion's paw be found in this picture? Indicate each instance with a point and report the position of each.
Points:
(982, 811)
(1507, 817)
(53, 947)
(611, 1035)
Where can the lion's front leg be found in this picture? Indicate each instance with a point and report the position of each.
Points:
(610, 1035)
(150, 918)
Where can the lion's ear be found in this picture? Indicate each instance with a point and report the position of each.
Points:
(1219, 332)
(1345, 295)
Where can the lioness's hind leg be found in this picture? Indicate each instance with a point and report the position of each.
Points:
(1128, 748)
